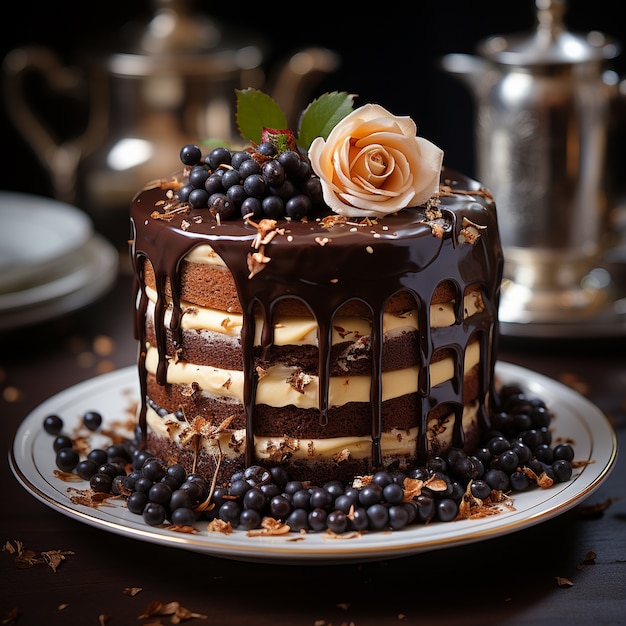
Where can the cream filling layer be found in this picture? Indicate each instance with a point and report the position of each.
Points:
(283, 386)
(205, 255)
(395, 443)
(298, 331)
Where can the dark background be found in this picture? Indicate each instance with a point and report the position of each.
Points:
(390, 55)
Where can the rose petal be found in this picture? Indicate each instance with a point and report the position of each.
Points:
(372, 163)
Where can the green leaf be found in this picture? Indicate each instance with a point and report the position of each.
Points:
(322, 115)
(256, 110)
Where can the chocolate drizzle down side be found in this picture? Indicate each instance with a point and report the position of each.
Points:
(368, 264)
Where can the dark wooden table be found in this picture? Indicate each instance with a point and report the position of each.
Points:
(511, 579)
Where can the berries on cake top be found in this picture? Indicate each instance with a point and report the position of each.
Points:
(359, 163)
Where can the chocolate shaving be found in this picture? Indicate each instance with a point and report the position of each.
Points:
(25, 559)
(269, 527)
(178, 612)
(596, 510)
(299, 381)
(132, 591)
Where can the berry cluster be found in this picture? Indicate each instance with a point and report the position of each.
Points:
(516, 456)
(259, 182)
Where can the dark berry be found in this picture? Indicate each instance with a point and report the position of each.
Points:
(337, 521)
(154, 469)
(67, 459)
(183, 517)
(254, 498)
(218, 156)
(160, 493)
(190, 154)
(237, 158)
(183, 193)
(112, 469)
(251, 206)
(301, 499)
(239, 487)
(497, 479)
(544, 453)
(143, 484)
(60, 442)
(230, 178)
(86, 468)
(220, 204)
(290, 161)
(198, 176)
(273, 207)
(358, 519)
(101, 482)
(198, 198)
(266, 149)
(378, 516)
(532, 438)
(177, 471)
(563, 451)
(98, 456)
(497, 445)
(437, 464)
(318, 519)
(213, 184)
(273, 173)
(180, 499)
(562, 470)
(280, 507)
(312, 187)
(334, 488)
(519, 481)
(298, 520)
(249, 168)
(230, 511)
(136, 502)
(153, 514)
(371, 494)
(320, 499)
(508, 461)
(425, 507)
(298, 207)
(285, 191)
(345, 503)
(398, 517)
(249, 519)
(53, 424)
(480, 489)
(255, 186)
(446, 509)
(393, 493)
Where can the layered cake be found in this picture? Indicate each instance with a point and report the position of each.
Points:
(349, 330)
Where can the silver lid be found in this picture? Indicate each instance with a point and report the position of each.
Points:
(550, 43)
(190, 44)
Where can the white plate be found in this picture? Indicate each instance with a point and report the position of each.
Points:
(36, 233)
(114, 395)
(88, 273)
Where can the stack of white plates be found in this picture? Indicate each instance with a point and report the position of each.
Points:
(51, 260)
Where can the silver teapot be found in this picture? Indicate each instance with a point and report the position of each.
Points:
(175, 84)
(543, 113)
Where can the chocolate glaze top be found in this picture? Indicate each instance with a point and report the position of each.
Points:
(327, 267)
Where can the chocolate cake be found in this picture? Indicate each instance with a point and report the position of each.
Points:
(333, 343)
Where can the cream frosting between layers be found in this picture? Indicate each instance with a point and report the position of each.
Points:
(394, 443)
(300, 330)
(284, 386)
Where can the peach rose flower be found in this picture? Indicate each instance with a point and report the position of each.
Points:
(373, 163)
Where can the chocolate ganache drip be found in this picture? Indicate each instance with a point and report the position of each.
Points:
(325, 268)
